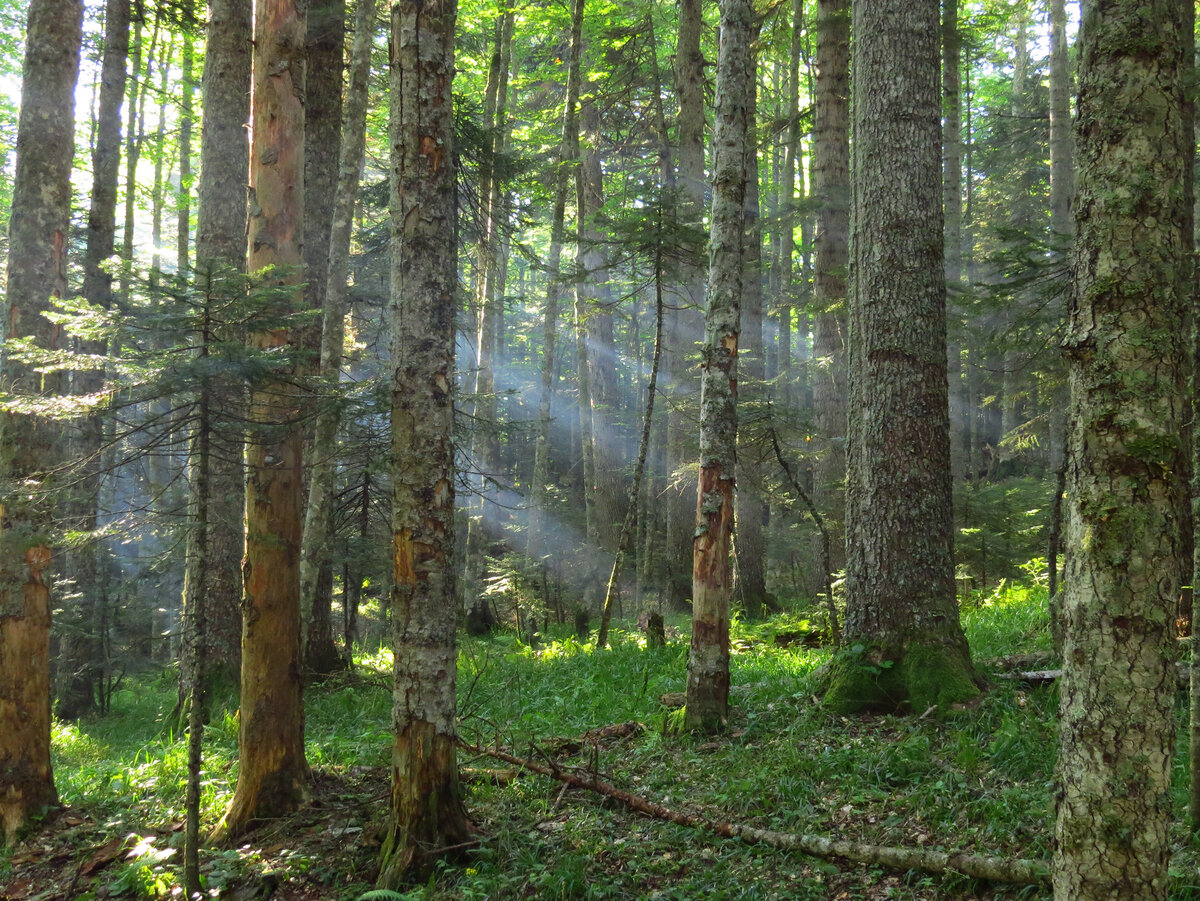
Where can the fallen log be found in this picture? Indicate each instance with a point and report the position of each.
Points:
(976, 866)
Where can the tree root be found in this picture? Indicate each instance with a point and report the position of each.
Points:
(976, 866)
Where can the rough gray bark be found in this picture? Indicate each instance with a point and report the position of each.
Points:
(900, 593)
(427, 815)
(1126, 461)
(708, 660)
(28, 445)
(831, 246)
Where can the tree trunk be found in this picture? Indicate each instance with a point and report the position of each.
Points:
(221, 262)
(325, 48)
(900, 594)
(80, 651)
(708, 661)
(625, 539)
(1125, 472)
(752, 510)
(952, 230)
(427, 815)
(684, 326)
(485, 449)
(272, 773)
(831, 245)
(36, 270)
(568, 155)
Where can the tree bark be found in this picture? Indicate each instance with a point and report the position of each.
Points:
(1126, 466)
(273, 771)
(901, 610)
(752, 510)
(36, 271)
(220, 267)
(427, 815)
(325, 61)
(684, 326)
(831, 246)
(708, 661)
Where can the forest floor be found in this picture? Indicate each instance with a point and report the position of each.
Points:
(979, 781)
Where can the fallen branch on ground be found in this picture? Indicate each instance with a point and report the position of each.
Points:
(977, 866)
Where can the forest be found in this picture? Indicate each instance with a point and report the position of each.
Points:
(598, 449)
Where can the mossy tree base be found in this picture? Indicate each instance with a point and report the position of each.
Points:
(913, 678)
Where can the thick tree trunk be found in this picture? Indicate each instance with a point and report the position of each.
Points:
(684, 326)
(1126, 466)
(427, 815)
(900, 594)
(831, 244)
(708, 661)
(273, 771)
(28, 446)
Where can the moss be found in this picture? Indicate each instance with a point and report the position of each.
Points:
(867, 679)
(862, 678)
(936, 674)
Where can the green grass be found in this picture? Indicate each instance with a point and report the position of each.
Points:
(979, 781)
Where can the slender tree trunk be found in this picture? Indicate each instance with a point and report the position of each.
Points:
(708, 661)
(316, 543)
(625, 539)
(684, 328)
(221, 263)
(900, 595)
(752, 509)
(273, 771)
(952, 229)
(187, 115)
(831, 245)
(596, 298)
(568, 155)
(427, 815)
(325, 48)
(489, 298)
(36, 270)
(80, 661)
(1126, 467)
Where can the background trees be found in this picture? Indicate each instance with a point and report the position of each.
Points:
(581, 164)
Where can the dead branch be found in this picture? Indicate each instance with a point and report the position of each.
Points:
(977, 866)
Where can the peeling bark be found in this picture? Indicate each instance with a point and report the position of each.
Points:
(708, 660)
(427, 818)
